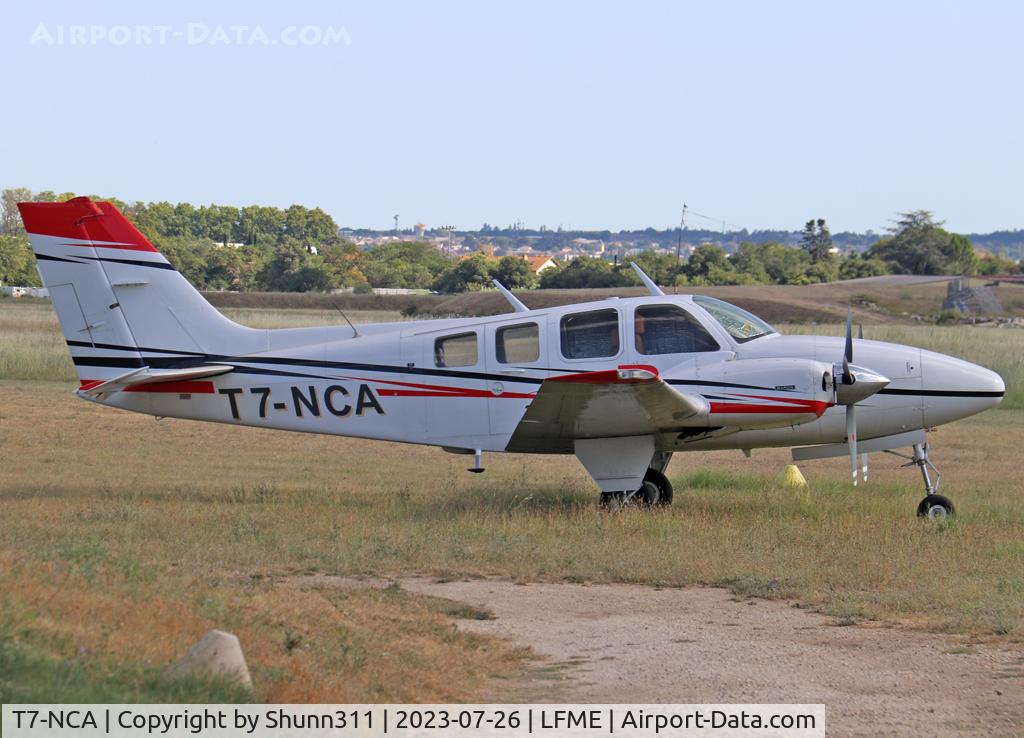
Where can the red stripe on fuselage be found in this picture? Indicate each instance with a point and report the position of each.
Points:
(195, 387)
(743, 408)
(816, 406)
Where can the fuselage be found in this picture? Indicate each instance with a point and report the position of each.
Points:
(467, 382)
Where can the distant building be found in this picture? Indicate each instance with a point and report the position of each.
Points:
(540, 263)
(420, 229)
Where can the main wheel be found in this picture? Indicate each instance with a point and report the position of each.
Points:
(664, 486)
(647, 496)
(935, 508)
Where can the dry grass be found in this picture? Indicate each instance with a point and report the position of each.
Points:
(303, 644)
(259, 503)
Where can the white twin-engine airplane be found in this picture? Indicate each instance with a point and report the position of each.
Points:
(620, 383)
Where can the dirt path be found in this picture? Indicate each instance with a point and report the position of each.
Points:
(623, 643)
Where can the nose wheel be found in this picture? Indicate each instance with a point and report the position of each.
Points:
(934, 506)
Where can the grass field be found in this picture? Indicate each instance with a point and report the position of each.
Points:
(125, 539)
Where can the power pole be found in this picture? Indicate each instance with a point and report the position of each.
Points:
(396, 224)
(679, 241)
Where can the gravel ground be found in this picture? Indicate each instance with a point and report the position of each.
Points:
(625, 643)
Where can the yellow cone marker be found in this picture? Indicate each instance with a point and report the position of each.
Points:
(792, 477)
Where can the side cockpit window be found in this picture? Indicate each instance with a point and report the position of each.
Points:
(668, 329)
(590, 335)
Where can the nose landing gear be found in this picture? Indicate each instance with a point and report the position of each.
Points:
(934, 506)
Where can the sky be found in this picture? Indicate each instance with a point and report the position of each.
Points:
(585, 115)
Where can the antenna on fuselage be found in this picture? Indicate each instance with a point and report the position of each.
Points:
(354, 331)
(648, 282)
(517, 306)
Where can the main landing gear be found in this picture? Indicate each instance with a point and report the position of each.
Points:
(656, 490)
(934, 506)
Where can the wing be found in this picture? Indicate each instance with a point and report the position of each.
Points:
(628, 401)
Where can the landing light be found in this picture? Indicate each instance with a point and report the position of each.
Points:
(636, 375)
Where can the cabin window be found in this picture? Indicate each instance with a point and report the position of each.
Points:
(668, 329)
(517, 344)
(590, 335)
(457, 350)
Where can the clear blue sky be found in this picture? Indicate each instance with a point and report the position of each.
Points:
(590, 115)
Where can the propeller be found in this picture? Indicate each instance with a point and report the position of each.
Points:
(851, 385)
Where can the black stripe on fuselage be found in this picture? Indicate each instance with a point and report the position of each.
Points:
(124, 362)
(940, 393)
(708, 383)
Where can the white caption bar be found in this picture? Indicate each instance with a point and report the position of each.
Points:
(406, 721)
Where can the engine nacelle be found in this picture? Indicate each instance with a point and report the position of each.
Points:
(766, 393)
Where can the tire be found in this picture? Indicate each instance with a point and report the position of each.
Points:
(664, 486)
(936, 508)
(648, 495)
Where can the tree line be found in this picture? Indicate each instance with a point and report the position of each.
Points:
(299, 249)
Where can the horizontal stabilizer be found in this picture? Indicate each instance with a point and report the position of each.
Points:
(146, 375)
(872, 445)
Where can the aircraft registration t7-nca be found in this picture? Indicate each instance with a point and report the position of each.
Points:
(620, 383)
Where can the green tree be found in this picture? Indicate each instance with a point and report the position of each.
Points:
(704, 260)
(918, 244)
(990, 264)
(190, 256)
(585, 272)
(17, 265)
(294, 269)
(341, 264)
(816, 240)
(659, 267)
(408, 264)
(472, 274)
(219, 222)
(856, 266)
(10, 218)
(515, 273)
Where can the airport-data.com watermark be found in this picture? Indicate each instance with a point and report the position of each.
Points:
(188, 34)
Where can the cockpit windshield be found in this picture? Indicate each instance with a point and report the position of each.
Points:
(740, 324)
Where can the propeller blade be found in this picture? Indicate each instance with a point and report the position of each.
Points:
(848, 349)
(864, 467)
(860, 330)
(851, 438)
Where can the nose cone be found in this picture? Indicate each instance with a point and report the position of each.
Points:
(954, 388)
